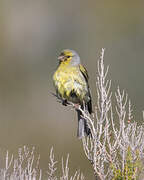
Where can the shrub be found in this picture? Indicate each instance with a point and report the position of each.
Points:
(115, 149)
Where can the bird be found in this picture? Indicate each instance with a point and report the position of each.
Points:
(71, 84)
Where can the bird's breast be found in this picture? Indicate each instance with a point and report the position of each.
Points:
(70, 84)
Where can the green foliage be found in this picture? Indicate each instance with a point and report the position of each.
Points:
(132, 167)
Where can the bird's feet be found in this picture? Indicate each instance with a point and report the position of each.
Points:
(64, 102)
(76, 106)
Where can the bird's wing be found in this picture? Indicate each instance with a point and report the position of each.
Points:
(84, 72)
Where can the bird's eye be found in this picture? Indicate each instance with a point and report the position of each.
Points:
(68, 56)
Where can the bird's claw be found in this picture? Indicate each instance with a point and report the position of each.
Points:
(76, 106)
(64, 102)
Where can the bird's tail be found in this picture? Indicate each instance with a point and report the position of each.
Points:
(83, 129)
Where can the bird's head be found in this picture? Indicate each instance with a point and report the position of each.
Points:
(68, 56)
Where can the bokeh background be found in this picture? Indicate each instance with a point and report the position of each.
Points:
(32, 34)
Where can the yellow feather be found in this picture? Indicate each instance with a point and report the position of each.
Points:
(69, 78)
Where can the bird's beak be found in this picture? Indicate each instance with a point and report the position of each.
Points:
(61, 58)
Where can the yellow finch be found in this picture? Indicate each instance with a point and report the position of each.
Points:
(71, 84)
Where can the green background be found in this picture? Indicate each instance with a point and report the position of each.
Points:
(32, 34)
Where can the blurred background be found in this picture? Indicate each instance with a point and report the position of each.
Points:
(32, 34)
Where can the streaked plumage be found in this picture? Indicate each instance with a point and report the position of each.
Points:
(71, 84)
